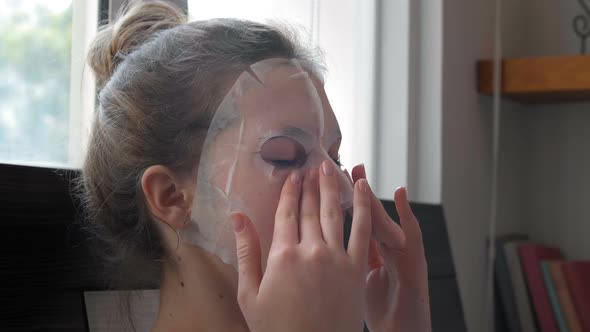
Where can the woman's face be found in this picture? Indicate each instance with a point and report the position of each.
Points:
(280, 122)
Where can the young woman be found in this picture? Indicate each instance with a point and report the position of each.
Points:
(162, 84)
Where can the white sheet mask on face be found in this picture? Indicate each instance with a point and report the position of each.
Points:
(273, 121)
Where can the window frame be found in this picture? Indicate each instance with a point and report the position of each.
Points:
(85, 23)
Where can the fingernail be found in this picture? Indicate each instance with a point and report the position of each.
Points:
(403, 189)
(296, 178)
(363, 185)
(238, 223)
(327, 168)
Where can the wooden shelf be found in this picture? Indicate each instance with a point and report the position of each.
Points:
(538, 80)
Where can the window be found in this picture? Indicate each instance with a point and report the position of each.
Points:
(42, 47)
(345, 31)
(47, 93)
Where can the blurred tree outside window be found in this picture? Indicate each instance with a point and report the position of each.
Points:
(35, 52)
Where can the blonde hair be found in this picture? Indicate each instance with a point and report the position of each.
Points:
(160, 79)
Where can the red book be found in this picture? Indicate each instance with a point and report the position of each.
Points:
(531, 256)
(565, 297)
(577, 275)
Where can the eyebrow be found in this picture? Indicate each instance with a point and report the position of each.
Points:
(295, 132)
(300, 133)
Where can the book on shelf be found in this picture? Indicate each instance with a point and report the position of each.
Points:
(577, 276)
(565, 299)
(521, 296)
(505, 288)
(553, 299)
(530, 257)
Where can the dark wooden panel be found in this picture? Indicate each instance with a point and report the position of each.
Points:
(446, 310)
(445, 306)
(434, 233)
(42, 311)
(39, 235)
(45, 262)
(445, 302)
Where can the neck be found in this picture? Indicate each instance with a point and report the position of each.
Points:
(198, 293)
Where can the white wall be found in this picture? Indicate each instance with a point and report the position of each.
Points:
(446, 132)
(557, 209)
(467, 145)
(466, 148)
(544, 161)
(449, 130)
(545, 179)
(556, 205)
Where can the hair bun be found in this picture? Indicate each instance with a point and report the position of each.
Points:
(138, 23)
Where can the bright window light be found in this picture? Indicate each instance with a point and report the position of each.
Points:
(40, 53)
(36, 43)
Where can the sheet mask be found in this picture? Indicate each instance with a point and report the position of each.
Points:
(273, 121)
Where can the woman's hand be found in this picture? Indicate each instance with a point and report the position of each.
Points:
(310, 283)
(397, 285)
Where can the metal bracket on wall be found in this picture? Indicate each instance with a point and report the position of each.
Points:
(581, 25)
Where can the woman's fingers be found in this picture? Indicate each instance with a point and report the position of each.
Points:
(360, 234)
(384, 228)
(375, 258)
(408, 221)
(248, 252)
(347, 175)
(409, 265)
(286, 229)
(331, 218)
(310, 229)
(358, 172)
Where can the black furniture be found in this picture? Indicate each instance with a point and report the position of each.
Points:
(445, 302)
(45, 265)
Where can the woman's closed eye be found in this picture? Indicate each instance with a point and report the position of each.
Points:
(283, 152)
(286, 152)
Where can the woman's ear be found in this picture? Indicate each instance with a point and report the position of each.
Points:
(169, 197)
